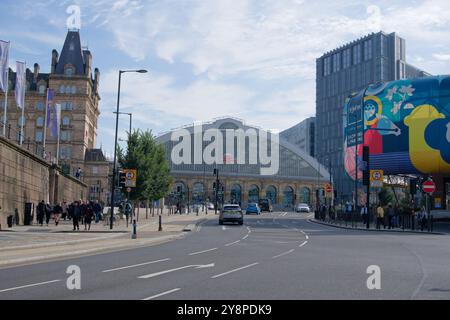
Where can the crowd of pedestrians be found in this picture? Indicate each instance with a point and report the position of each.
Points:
(79, 211)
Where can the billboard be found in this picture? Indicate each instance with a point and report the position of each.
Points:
(406, 125)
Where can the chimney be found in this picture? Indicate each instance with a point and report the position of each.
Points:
(88, 63)
(54, 60)
(96, 79)
(36, 71)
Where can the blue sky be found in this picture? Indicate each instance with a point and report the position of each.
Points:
(250, 59)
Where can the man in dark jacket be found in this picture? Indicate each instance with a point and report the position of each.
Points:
(76, 215)
(41, 212)
(48, 213)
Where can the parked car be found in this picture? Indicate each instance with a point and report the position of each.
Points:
(265, 205)
(231, 213)
(302, 207)
(253, 208)
(210, 206)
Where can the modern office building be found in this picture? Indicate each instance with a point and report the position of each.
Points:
(302, 135)
(295, 181)
(76, 88)
(341, 72)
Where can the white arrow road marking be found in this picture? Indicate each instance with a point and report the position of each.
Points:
(230, 244)
(152, 275)
(303, 244)
(29, 285)
(199, 252)
(234, 270)
(245, 237)
(283, 254)
(249, 231)
(136, 265)
(224, 228)
(162, 294)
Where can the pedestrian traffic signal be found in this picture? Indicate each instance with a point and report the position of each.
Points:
(122, 178)
(366, 172)
(413, 186)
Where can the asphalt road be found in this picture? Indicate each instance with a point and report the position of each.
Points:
(273, 256)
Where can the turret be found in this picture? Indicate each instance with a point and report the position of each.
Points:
(54, 60)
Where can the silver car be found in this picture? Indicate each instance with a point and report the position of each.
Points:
(302, 207)
(231, 213)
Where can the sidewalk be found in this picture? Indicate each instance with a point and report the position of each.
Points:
(25, 245)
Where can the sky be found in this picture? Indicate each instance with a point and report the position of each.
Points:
(253, 60)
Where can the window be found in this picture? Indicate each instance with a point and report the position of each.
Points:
(336, 62)
(357, 54)
(42, 89)
(67, 106)
(367, 50)
(66, 121)
(40, 106)
(39, 122)
(327, 66)
(68, 90)
(66, 153)
(66, 135)
(21, 121)
(39, 136)
(62, 89)
(68, 72)
(94, 170)
(347, 58)
(74, 90)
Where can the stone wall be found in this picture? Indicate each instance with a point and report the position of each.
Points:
(27, 178)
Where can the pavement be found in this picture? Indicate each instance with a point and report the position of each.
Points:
(273, 256)
(29, 244)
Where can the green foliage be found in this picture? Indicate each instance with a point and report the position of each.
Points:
(148, 158)
(386, 196)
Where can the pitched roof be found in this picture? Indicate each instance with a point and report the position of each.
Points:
(71, 54)
(94, 155)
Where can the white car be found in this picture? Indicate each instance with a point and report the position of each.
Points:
(302, 207)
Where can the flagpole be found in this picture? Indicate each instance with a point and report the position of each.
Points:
(58, 117)
(6, 89)
(23, 108)
(45, 121)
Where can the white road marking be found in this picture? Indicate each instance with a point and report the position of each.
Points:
(283, 215)
(162, 294)
(199, 252)
(152, 275)
(303, 244)
(224, 228)
(230, 244)
(29, 285)
(311, 215)
(234, 270)
(136, 265)
(249, 231)
(307, 237)
(283, 254)
(245, 237)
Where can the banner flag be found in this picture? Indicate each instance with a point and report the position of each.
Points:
(20, 84)
(4, 65)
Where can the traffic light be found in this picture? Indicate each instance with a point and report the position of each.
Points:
(214, 186)
(122, 178)
(366, 172)
(215, 171)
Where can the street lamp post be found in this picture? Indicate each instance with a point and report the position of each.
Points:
(131, 118)
(115, 143)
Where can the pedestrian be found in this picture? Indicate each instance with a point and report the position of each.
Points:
(48, 212)
(82, 210)
(76, 215)
(128, 210)
(57, 211)
(88, 215)
(41, 213)
(364, 214)
(65, 210)
(390, 215)
(422, 218)
(97, 211)
(380, 216)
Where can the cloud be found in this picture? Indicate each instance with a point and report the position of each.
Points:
(441, 57)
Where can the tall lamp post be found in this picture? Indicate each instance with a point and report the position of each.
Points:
(115, 144)
(131, 118)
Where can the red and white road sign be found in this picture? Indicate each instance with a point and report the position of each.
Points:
(428, 187)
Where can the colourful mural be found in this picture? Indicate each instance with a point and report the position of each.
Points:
(406, 125)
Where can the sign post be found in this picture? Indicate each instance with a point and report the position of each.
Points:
(429, 187)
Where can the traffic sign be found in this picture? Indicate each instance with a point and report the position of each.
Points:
(128, 189)
(130, 177)
(428, 187)
(328, 188)
(376, 178)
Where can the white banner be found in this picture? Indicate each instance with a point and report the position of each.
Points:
(20, 84)
(4, 64)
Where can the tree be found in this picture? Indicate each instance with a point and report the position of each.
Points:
(385, 196)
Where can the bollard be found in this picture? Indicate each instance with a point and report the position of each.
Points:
(160, 224)
(134, 235)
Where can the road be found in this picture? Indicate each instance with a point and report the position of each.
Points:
(280, 255)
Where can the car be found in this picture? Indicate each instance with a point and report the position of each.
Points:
(253, 208)
(210, 206)
(231, 213)
(302, 207)
(265, 205)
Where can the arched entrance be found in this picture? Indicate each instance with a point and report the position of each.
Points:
(198, 193)
(235, 193)
(305, 195)
(253, 194)
(288, 196)
(271, 194)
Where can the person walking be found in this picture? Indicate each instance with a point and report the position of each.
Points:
(65, 210)
(76, 215)
(48, 213)
(88, 215)
(97, 211)
(422, 218)
(82, 210)
(128, 209)
(57, 211)
(380, 216)
(390, 215)
(364, 214)
(40, 213)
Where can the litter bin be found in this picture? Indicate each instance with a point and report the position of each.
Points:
(9, 221)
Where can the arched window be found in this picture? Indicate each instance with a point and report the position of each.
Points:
(288, 196)
(42, 89)
(62, 89)
(180, 191)
(68, 71)
(271, 194)
(198, 193)
(305, 195)
(68, 90)
(253, 194)
(39, 122)
(40, 106)
(66, 121)
(235, 193)
(74, 90)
